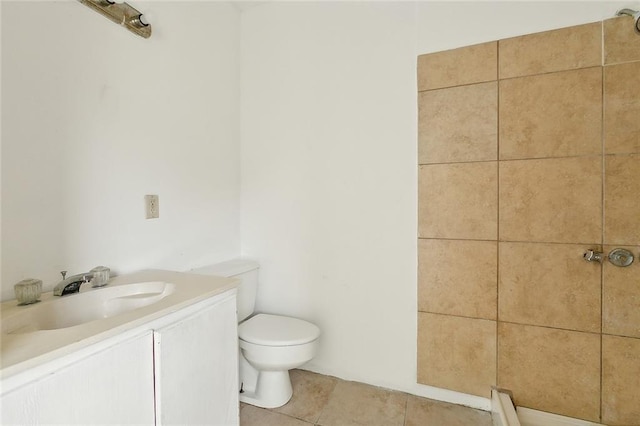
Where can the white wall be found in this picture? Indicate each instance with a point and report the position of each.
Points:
(95, 117)
(329, 183)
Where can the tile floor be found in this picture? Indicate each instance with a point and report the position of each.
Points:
(329, 401)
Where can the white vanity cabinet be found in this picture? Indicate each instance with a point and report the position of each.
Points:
(178, 369)
(111, 386)
(197, 375)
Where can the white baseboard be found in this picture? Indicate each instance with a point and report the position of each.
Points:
(503, 412)
(529, 417)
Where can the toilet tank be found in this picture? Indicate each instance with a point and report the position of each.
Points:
(247, 272)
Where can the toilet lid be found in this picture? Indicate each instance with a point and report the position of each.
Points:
(276, 330)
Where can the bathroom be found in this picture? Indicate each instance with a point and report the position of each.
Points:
(284, 131)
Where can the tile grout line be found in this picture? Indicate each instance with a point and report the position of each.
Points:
(558, 157)
(406, 408)
(537, 74)
(571, 330)
(324, 406)
(497, 328)
(583, 243)
(602, 217)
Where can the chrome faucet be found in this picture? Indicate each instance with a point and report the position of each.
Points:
(98, 276)
(71, 284)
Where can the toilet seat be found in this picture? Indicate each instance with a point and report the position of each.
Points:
(277, 330)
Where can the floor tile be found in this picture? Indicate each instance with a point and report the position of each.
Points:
(426, 412)
(341, 403)
(255, 416)
(354, 403)
(311, 393)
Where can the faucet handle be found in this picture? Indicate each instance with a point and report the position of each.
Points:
(100, 276)
(592, 255)
(64, 274)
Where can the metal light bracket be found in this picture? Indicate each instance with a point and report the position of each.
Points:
(121, 13)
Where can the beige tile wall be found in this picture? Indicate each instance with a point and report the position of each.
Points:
(479, 63)
(619, 43)
(621, 108)
(551, 115)
(620, 373)
(621, 298)
(550, 51)
(458, 124)
(551, 369)
(466, 357)
(475, 284)
(458, 201)
(556, 200)
(622, 199)
(549, 285)
(529, 154)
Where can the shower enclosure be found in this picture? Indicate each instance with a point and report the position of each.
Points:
(529, 151)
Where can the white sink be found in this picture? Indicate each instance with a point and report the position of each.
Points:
(34, 335)
(94, 304)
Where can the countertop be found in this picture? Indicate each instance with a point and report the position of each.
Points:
(22, 351)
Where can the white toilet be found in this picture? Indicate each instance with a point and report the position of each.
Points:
(270, 345)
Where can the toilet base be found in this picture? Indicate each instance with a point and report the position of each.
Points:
(273, 389)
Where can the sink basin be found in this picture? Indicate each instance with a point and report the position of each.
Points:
(34, 335)
(90, 305)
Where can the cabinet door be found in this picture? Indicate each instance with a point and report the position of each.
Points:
(113, 386)
(196, 362)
